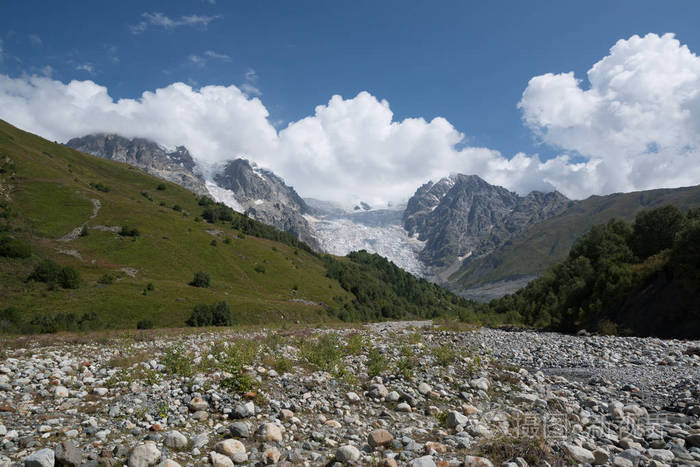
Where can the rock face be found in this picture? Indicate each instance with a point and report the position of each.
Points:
(462, 216)
(266, 198)
(176, 166)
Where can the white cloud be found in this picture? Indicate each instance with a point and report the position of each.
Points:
(35, 40)
(637, 125)
(635, 128)
(86, 67)
(163, 21)
(217, 56)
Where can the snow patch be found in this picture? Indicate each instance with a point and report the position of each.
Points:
(258, 202)
(223, 195)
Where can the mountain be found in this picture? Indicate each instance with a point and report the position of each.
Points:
(176, 166)
(464, 216)
(266, 198)
(89, 243)
(534, 250)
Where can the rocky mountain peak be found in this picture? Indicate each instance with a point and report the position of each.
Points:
(176, 166)
(266, 198)
(463, 215)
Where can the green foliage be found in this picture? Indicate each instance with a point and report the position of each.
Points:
(382, 290)
(259, 268)
(200, 279)
(377, 362)
(217, 314)
(444, 354)
(51, 273)
(323, 353)
(106, 279)
(356, 344)
(10, 319)
(607, 270)
(127, 231)
(84, 232)
(161, 187)
(14, 247)
(240, 383)
(177, 362)
(145, 324)
(100, 187)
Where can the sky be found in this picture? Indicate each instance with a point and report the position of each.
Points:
(368, 100)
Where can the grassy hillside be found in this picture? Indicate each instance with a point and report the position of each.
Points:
(549, 242)
(48, 190)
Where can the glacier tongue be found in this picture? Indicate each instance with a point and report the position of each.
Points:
(376, 232)
(225, 196)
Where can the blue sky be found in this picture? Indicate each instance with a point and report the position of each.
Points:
(468, 62)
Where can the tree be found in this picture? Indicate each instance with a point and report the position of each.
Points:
(655, 230)
(201, 279)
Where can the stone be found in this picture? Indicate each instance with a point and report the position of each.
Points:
(271, 455)
(378, 391)
(393, 396)
(197, 404)
(67, 454)
(439, 448)
(240, 430)
(578, 453)
(286, 414)
(470, 410)
(619, 461)
(168, 463)
(144, 455)
(455, 419)
(476, 461)
(244, 410)
(42, 458)
(219, 460)
(480, 383)
(693, 440)
(61, 392)
(424, 388)
(353, 397)
(387, 462)
(425, 461)
(600, 457)
(270, 432)
(379, 438)
(663, 455)
(403, 407)
(232, 448)
(175, 440)
(347, 453)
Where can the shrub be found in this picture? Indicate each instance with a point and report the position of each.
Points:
(444, 355)
(145, 324)
(127, 231)
(50, 272)
(69, 278)
(260, 268)
(376, 362)
(146, 195)
(106, 279)
(150, 287)
(323, 353)
(213, 243)
(84, 231)
(200, 279)
(14, 248)
(10, 318)
(161, 187)
(100, 187)
(176, 362)
(217, 314)
(46, 271)
(177, 208)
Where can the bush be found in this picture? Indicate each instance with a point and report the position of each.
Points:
(100, 187)
(10, 319)
(176, 362)
(46, 271)
(201, 279)
(14, 248)
(84, 231)
(260, 268)
(177, 208)
(161, 187)
(145, 324)
(217, 314)
(50, 272)
(69, 278)
(127, 231)
(106, 279)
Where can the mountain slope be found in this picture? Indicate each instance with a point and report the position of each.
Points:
(266, 198)
(53, 190)
(463, 216)
(542, 245)
(176, 166)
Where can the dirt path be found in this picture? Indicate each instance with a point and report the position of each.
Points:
(75, 233)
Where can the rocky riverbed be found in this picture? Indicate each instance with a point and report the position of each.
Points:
(397, 394)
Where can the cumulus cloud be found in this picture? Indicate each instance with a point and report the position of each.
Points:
(637, 124)
(163, 21)
(635, 127)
